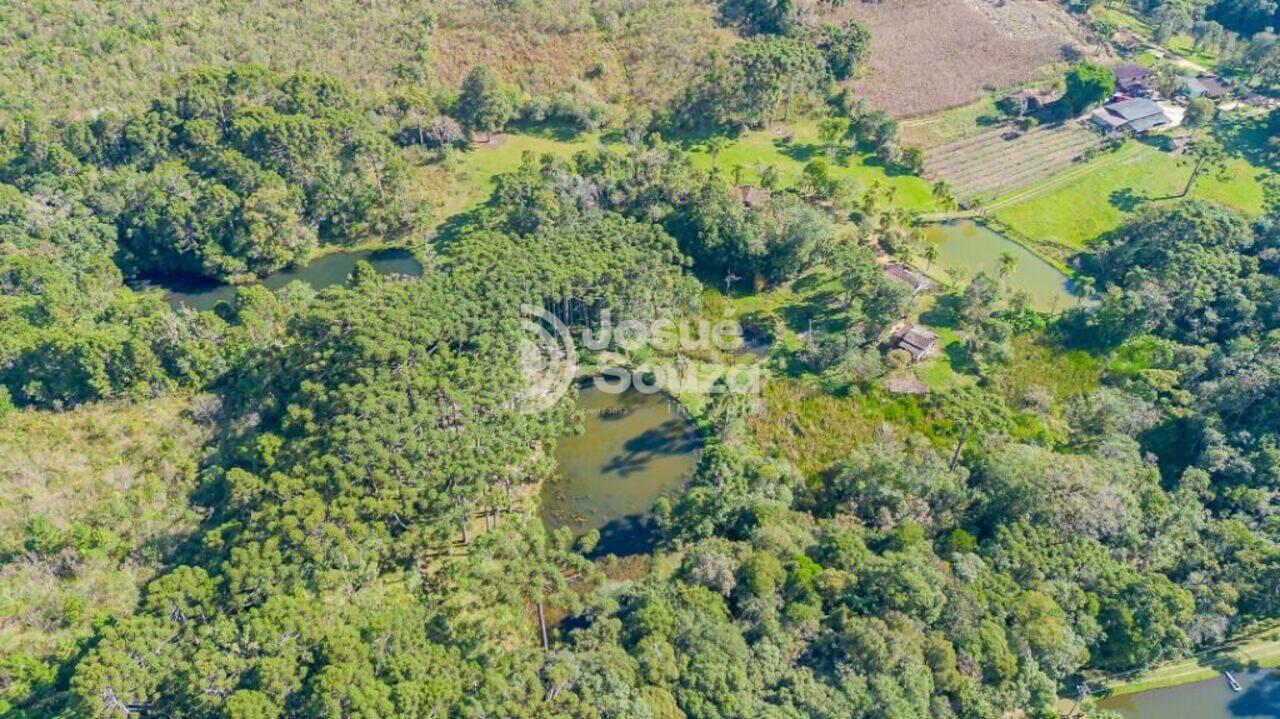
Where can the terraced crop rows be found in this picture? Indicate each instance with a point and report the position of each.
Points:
(987, 165)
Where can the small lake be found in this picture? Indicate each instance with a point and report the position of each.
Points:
(972, 248)
(1209, 699)
(202, 294)
(636, 448)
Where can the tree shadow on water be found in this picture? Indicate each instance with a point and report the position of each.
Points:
(626, 536)
(670, 438)
(1260, 699)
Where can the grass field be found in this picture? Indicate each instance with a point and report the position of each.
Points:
(813, 428)
(1182, 44)
(755, 150)
(1076, 206)
(949, 125)
(466, 178)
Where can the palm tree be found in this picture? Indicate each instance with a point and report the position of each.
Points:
(940, 189)
(1086, 283)
(769, 177)
(930, 254)
(943, 193)
(903, 253)
(1007, 263)
(715, 146)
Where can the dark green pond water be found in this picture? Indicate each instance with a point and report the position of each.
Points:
(1209, 699)
(972, 248)
(635, 448)
(202, 294)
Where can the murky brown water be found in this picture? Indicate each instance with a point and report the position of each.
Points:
(635, 448)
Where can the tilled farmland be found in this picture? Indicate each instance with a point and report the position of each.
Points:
(1001, 160)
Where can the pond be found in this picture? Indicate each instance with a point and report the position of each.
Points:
(202, 294)
(971, 248)
(636, 448)
(1209, 699)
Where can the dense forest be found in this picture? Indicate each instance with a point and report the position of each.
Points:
(328, 505)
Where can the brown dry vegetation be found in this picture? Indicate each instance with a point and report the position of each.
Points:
(665, 44)
(643, 49)
(82, 55)
(91, 501)
(79, 56)
(541, 64)
(928, 55)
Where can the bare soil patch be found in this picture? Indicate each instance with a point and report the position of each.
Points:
(491, 141)
(929, 55)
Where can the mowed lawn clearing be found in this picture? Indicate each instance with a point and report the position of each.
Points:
(1076, 206)
(466, 179)
(753, 151)
(939, 128)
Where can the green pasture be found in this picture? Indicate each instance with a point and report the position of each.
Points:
(1076, 206)
(789, 148)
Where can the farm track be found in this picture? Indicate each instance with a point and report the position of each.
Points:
(988, 163)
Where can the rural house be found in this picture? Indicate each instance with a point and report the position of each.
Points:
(1207, 86)
(917, 341)
(1132, 79)
(1137, 115)
(909, 277)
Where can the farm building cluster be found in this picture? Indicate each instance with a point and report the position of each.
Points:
(1139, 107)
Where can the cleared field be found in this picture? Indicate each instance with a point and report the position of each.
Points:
(928, 55)
(1075, 207)
(466, 179)
(999, 161)
(946, 126)
(752, 151)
